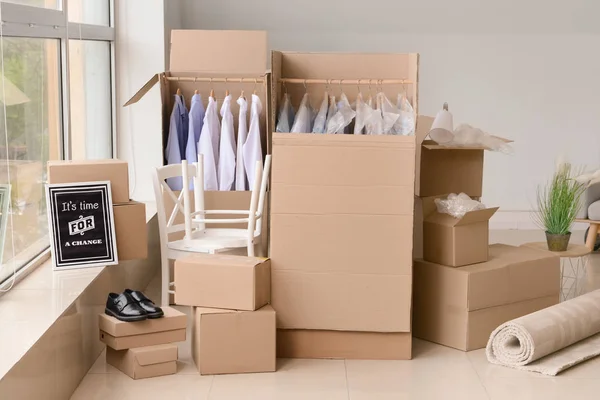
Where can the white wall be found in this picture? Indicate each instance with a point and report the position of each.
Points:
(529, 72)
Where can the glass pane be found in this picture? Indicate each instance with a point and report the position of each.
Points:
(55, 4)
(95, 12)
(90, 88)
(29, 137)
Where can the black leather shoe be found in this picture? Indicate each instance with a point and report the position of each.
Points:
(124, 308)
(146, 304)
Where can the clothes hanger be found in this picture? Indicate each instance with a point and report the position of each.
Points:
(254, 89)
(178, 92)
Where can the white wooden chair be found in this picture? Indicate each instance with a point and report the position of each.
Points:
(197, 237)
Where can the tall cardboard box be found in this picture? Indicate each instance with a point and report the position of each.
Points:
(233, 342)
(144, 362)
(239, 56)
(115, 171)
(342, 208)
(460, 307)
(457, 241)
(130, 230)
(223, 281)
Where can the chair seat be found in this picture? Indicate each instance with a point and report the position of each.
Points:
(212, 240)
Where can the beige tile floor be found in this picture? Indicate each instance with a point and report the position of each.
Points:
(436, 372)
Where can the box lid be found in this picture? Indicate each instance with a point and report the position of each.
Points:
(431, 145)
(155, 354)
(199, 311)
(469, 218)
(172, 320)
(222, 260)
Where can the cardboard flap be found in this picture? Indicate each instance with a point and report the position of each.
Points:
(477, 216)
(432, 145)
(155, 354)
(219, 51)
(423, 127)
(442, 219)
(145, 89)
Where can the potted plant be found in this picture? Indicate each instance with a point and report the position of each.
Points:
(558, 204)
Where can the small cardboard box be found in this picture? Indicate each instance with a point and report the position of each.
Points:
(460, 307)
(457, 241)
(232, 342)
(115, 171)
(144, 362)
(305, 343)
(200, 280)
(122, 335)
(130, 230)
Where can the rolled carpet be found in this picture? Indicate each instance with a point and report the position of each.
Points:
(550, 340)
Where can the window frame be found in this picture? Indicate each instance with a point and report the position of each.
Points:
(37, 22)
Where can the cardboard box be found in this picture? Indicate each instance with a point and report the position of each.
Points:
(115, 171)
(122, 335)
(144, 362)
(342, 206)
(26, 180)
(457, 241)
(130, 230)
(460, 307)
(303, 343)
(231, 342)
(223, 281)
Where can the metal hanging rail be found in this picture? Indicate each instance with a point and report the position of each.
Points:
(213, 80)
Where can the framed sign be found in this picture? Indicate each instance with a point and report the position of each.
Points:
(82, 226)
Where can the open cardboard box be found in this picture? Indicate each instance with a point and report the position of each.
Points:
(203, 54)
(342, 207)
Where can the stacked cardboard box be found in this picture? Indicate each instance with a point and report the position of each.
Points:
(144, 349)
(341, 220)
(233, 327)
(130, 216)
(464, 288)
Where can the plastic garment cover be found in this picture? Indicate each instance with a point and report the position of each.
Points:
(253, 146)
(302, 123)
(321, 117)
(331, 111)
(364, 115)
(240, 170)
(196, 120)
(208, 145)
(343, 117)
(457, 205)
(286, 115)
(408, 120)
(227, 148)
(374, 124)
(467, 136)
(390, 114)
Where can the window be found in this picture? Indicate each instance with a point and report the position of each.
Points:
(56, 102)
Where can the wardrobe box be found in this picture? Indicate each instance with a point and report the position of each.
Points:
(304, 343)
(25, 180)
(115, 171)
(122, 335)
(460, 307)
(232, 342)
(342, 205)
(223, 281)
(457, 241)
(144, 362)
(130, 230)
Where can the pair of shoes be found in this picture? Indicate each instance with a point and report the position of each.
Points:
(131, 306)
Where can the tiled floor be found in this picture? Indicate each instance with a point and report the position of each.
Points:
(436, 373)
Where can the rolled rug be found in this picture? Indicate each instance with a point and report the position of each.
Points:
(550, 340)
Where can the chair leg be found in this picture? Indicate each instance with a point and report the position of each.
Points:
(591, 238)
(164, 296)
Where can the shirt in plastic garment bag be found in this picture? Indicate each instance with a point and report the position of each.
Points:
(374, 124)
(208, 145)
(364, 115)
(343, 117)
(227, 148)
(331, 111)
(302, 123)
(321, 118)
(175, 150)
(253, 146)
(240, 171)
(196, 120)
(286, 115)
(391, 115)
(408, 120)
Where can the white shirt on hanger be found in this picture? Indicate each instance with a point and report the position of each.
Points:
(240, 171)
(208, 145)
(195, 128)
(227, 148)
(252, 147)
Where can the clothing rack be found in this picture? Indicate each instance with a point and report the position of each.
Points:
(213, 80)
(348, 81)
